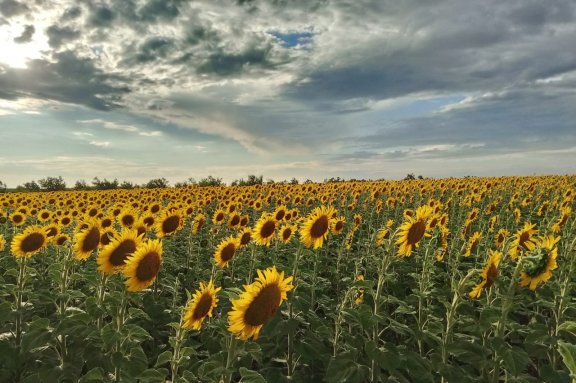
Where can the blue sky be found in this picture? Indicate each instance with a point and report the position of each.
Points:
(141, 89)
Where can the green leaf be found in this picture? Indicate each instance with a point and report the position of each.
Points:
(137, 333)
(515, 360)
(249, 376)
(568, 326)
(153, 376)
(5, 312)
(568, 352)
(94, 375)
(163, 358)
(344, 370)
(385, 359)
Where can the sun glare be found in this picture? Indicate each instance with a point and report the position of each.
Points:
(17, 55)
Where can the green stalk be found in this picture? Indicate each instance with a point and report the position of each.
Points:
(227, 377)
(19, 294)
(291, 365)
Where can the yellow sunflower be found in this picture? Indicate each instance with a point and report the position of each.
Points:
(489, 274)
(127, 218)
(244, 236)
(562, 220)
(18, 218)
(29, 242)
(226, 251)
(234, 220)
(258, 303)
(61, 240)
(218, 217)
(523, 240)
(338, 225)
(413, 230)
(359, 296)
(539, 262)
(44, 215)
(169, 223)
(472, 243)
(201, 306)
(501, 237)
(114, 255)
(382, 235)
(316, 227)
(2, 242)
(86, 241)
(143, 265)
(286, 232)
(198, 223)
(264, 230)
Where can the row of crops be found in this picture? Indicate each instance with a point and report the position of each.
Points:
(450, 280)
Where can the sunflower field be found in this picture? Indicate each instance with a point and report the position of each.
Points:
(448, 280)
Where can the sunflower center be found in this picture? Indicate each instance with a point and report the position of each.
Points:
(148, 267)
(339, 225)
(155, 209)
(106, 222)
(286, 234)
(219, 217)
(473, 246)
(105, 238)
(45, 215)
(91, 240)
(264, 306)
(32, 242)
(245, 239)
(280, 214)
(228, 252)
(149, 221)
(524, 237)
(319, 227)
(170, 224)
(121, 252)
(267, 229)
(127, 220)
(416, 232)
(235, 220)
(61, 240)
(203, 306)
(17, 219)
(52, 231)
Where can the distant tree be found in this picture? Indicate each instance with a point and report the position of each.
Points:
(308, 181)
(409, 177)
(104, 184)
(52, 183)
(81, 185)
(3, 187)
(293, 181)
(332, 179)
(189, 182)
(127, 185)
(210, 181)
(420, 177)
(157, 183)
(31, 186)
(250, 181)
(270, 181)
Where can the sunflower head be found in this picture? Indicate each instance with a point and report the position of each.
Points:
(539, 262)
(264, 230)
(169, 223)
(258, 303)
(202, 304)
(226, 251)
(143, 265)
(87, 240)
(316, 227)
(29, 242)
(114, 255)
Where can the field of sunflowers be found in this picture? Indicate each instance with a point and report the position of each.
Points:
(448, 280)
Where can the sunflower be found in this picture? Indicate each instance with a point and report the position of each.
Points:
(44, 215)
(489, 274)
(203, 302)
(218, 217)
(86, 241)
(106, 236)
(359, 296)
(258, 303)
(316, 227)
(357, 221)
(52, 230)
(18, 218)
(61, 240)
(286, 232)
(244, 236)
(114, 255)
(472, 243)
(413, 230)
(522, 240)
(234, 220)
(338, 225)
(539, 262)
(143, 265)
(264, 230)
(169, 223)
(501, 237)
(280, 213)
(127, 218)
(226, 251)
(442, 249)
(2, 242)
(562, 220)
(29, 242)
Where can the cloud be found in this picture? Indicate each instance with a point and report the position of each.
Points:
(110, 125)
(101, 144)
(10, 8)
(26, 35)
(58, 36)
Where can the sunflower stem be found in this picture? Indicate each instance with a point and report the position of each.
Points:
(507, 303)
(101, 293)
(119, 324)
(290, 358)
(314, 278)
(227, 377)
(19, 295)
(178, 340)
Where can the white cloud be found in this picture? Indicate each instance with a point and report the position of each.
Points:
(101, 144)
(110, 125)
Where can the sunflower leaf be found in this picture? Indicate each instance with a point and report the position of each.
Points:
(250, 376)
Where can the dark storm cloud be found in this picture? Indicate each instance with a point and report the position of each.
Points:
(101, 16)
(68, 79)
(57, 36)
(10, 8)
(150, 50)
(71, 13)
(228, 64)
(26, 35)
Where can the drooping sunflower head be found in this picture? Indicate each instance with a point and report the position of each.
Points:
(29, 242)
(62, 240)
(52, 231)
(264, 230)
(143, 265)
(169, 223)
(258, 303)
(226, 250)
(539, 262)
(113, 256)
(316, 227)
(202, 304)
(523, 240)
(234, 220)
(472, 243)
(382, 235)
(87, 240)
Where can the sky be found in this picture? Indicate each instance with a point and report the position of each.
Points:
(312, 89)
